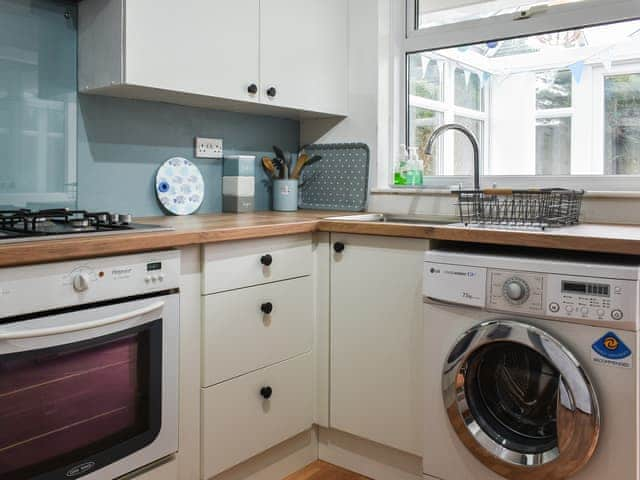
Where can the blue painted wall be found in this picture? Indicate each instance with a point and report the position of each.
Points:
(122, 142)
(118, 143)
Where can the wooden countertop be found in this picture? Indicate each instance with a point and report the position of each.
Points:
(603, 238)
(202, 229)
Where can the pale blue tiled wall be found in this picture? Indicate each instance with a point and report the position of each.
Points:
(37, 103)
(122, 142)
(118, 143)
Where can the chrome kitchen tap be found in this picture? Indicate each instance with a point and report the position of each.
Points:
(474, 143)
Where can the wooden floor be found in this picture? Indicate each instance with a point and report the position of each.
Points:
(324, 471)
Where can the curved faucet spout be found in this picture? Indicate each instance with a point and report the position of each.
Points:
(474, 143)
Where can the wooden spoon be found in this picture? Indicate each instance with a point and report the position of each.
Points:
(306, 163)
(268, 165)
(302, 160)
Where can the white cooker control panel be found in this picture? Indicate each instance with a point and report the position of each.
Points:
(562, 296)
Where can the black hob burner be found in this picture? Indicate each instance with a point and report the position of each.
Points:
(23, 224)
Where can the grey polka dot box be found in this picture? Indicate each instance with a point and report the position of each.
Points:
(340, 181)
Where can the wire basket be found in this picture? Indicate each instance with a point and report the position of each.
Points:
(520, 208)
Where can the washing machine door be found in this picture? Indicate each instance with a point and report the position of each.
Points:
(520, 401)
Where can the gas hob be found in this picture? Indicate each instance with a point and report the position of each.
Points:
(26, 225)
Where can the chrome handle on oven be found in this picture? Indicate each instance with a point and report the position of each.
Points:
(47, 332)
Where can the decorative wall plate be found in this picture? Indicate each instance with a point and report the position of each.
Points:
(180, 186)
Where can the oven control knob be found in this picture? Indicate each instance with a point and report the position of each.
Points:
(81, 282)
(516, 291)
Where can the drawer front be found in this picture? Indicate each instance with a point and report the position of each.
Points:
(233, 265)
(238, 423)
(239, 337)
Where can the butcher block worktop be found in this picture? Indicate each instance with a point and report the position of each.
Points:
(201, 229)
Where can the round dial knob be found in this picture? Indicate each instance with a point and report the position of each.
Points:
(516, 290)
(81, 282)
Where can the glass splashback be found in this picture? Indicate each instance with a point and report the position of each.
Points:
(38, 44)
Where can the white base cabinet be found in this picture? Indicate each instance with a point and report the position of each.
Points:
(239, 423)
(258, 316)
(240, 337)
(376, 339)
(280, 57)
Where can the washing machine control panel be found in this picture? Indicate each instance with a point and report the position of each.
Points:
(562, 296)
(516, 291)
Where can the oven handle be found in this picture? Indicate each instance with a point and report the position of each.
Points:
(48, 332)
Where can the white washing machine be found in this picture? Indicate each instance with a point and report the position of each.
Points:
(531, 367)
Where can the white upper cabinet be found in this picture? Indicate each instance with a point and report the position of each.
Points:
(280, 57)
(203, 47)
(304, 54)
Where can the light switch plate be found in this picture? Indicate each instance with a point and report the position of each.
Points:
(208, 148)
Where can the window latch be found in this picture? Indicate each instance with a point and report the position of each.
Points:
(530, 12)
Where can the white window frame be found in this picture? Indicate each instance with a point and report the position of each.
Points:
(404, 39)
(599, 75)
(449, 110)
(556, 113)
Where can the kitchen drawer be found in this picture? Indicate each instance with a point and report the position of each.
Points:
(239, 337)
(232, 265)
(238, 423)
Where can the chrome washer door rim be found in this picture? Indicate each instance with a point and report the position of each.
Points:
(578, 414)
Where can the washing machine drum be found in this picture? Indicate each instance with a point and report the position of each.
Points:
(521, 402)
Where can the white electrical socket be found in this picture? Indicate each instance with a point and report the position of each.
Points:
(208, 148)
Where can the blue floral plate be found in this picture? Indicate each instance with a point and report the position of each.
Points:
(180, 186)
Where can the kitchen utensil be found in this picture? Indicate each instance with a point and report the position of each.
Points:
(269, 167)
(180, 186)
(340, 181)
(279, 152)
(303, 162)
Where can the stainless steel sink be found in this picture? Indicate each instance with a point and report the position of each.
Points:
(394, 218)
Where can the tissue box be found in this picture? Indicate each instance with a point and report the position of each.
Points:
(238, 194)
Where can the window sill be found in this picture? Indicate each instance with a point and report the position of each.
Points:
(439, 192)
(412, 191)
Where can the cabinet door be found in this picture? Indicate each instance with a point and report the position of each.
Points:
(199, 47)
(376, 340)
(304, 54)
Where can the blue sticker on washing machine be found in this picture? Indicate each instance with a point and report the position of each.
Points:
(611, 350)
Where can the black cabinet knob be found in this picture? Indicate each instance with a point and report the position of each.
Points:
(252, 89)
(266, 308)
(272, 92)
(266, 392)
(338, 247)
(266, 260)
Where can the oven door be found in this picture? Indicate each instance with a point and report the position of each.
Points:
(89, 393)
(520, 401)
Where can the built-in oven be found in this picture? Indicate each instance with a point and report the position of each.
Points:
(89, 384)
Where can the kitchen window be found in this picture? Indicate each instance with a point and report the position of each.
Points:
(555, 100)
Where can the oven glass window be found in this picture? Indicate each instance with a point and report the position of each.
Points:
(80, 405)
(512, 393)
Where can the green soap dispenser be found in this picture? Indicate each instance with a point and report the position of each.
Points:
(415, 169)
(400, 167)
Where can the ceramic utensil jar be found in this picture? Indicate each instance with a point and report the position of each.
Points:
(285, 195)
